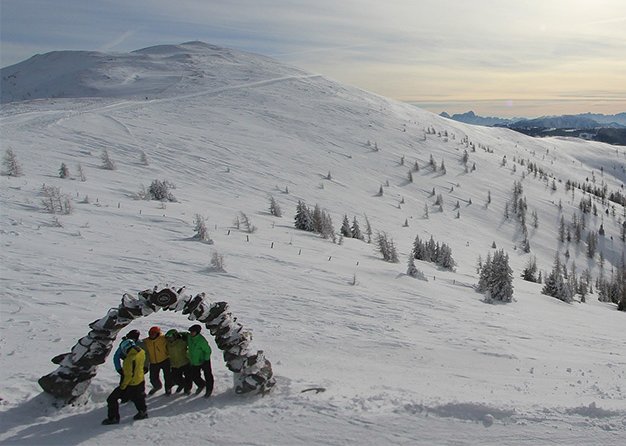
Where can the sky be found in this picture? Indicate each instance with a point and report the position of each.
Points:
(496, 57)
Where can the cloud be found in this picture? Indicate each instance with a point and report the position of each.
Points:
(117, 41)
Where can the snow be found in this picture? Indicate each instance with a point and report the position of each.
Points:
(402, 361)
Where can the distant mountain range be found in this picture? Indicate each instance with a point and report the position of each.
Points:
(583, 120)
(595, 126)
(472, 118)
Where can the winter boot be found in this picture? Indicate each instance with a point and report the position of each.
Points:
(200, 389)
(108, 421)
(142, 415)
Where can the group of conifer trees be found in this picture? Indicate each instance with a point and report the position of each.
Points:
(431, 251)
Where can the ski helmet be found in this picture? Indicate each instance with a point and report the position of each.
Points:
(171, 333)
(126, 345)
(133, 334)
(195, 328)
(154, 331)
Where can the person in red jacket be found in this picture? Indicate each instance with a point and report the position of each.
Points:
(156, 347)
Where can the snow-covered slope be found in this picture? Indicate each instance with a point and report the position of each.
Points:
(403, 361)
(156, 72)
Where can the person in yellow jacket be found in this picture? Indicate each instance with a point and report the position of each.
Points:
(156, 347)
(132, 386)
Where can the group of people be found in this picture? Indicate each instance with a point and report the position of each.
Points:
(181, 357)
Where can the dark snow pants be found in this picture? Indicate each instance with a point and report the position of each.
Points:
(208, 376)
(155, 371)
(181, 376)
(136, 394)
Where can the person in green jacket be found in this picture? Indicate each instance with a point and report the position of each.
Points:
(200, 360)
(180, 372)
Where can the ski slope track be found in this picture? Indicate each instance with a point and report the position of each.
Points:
(362, 353)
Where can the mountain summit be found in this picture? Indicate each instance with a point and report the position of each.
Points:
(155, 72)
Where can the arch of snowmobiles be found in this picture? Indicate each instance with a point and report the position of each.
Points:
(253, 373)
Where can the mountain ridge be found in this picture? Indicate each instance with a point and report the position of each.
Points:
(580, 120)
(152, 72)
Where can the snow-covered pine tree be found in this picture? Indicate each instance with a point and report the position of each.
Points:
(592, 243)
(107, 162)
(444, 257)
(317, 219)
(386, 246)
(81, 172)
(418, 248)
(303, 219)
(368, 229)
(160, 190)
(143, 158)
(501, 287)
(247, 223)
(496, 278)
(530, 271)
(485, 273)
(431, 249)
(12, 167)
(327, 229)
(465, 157)
(356, 229)
(217, 262)
(202, 234)
(275, 209)
(411, 268)
(346, 230)
(64, 172)
(555, 284)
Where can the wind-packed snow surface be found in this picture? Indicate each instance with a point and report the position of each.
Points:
(362, 353)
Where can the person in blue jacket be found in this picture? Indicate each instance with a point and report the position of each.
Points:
(133, 335)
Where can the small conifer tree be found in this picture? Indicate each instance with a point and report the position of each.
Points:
(275, 209)
(81, 172)
(346, 230)
(202, 234)
(64, 172)
(356, 229)
(107, 162)
(12, 167)
(386, 246)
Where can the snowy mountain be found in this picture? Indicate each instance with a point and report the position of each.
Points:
(156, 72)
(394, 359)
(560, 122)
(472, 118)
